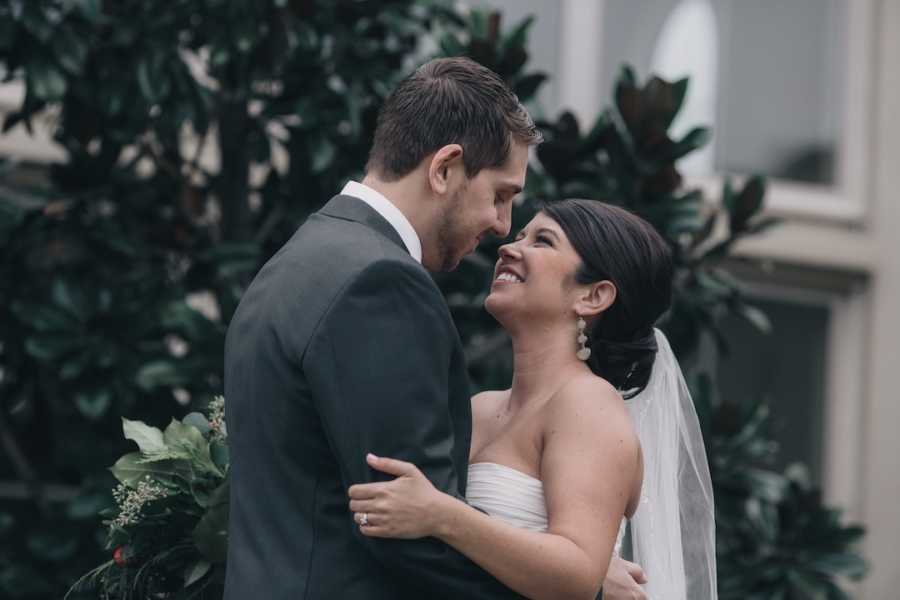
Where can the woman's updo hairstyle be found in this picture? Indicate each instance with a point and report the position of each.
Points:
(619, 246)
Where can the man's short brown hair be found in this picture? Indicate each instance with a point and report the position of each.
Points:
(449, 101)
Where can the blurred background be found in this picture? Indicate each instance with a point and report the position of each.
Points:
(154, 154)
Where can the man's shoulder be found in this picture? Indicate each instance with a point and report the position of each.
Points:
(347, 241)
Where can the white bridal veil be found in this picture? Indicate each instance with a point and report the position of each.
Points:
(673, 530)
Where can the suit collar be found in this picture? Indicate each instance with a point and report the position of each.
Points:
(354, 209)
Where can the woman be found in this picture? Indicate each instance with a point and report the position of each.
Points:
(559, 459)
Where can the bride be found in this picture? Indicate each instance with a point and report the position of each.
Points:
(597, 425)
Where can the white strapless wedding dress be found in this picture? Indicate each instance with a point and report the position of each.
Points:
(507, 494)
(512, 496)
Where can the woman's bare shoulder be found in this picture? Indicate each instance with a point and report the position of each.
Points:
(590, 404)
(488, 401)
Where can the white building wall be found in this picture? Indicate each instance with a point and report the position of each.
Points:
(881, 450)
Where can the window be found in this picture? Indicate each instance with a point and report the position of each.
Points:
(787, 370)
(785, 86)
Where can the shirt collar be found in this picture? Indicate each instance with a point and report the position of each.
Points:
(391, 214)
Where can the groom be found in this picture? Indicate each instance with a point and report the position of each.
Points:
(343, 345)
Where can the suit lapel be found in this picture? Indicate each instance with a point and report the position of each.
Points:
(354, 209)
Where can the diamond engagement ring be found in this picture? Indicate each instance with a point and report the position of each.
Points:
(364, 519)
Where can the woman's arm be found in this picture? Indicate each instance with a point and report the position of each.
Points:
(588, 468)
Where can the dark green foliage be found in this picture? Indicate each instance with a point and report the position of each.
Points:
(104, 256)
(775, 538)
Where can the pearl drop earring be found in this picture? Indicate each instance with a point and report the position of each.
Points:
(584, 352)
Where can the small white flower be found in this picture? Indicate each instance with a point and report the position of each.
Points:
(132, 500)
(217, 418)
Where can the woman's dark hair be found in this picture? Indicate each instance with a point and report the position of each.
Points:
(449, 101)
(619, 246)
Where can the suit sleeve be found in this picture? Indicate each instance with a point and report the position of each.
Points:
(378, 366)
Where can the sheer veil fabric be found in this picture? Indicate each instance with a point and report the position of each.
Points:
(673, 530)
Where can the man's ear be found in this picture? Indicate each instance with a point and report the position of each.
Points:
(596, 299)
(443, 166)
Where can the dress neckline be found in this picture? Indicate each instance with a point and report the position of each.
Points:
(509, 469)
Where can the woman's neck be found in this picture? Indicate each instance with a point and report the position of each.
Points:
(543, 360)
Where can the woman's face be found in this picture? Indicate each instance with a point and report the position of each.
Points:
(535, 276)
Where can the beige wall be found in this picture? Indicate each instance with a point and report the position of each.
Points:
(881, 449)
(863, 436)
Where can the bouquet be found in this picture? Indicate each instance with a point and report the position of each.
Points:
(168, 532)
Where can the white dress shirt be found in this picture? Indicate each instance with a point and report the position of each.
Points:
(391, 214)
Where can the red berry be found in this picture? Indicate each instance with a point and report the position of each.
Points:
(119, 556)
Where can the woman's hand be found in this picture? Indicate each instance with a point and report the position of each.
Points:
(407, 507)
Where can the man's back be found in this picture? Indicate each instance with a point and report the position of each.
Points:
(305, 401)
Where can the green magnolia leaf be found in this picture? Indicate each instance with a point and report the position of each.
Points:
(7, 521)
(160, 373)
(808, 585)
(149, 439)
(220, 495)
(844, 563)
(662, 100)
(728, 196)
(178, 434)
(519, 35)
(94, 405)
(186, 442)
(198, 421)
(679, 92)
(693, 140)
(116, 537)
(211, 534)
(69, 298)
(323, 155)
(478, 23)
(44, 317)
(46, 82)
(450, 46)
(178, 316)
(196, 572)
(755, 317)
(75, 365)
(50, 347)
(70, 52)
(145, 81)
(200, 491)
(219, 454)
(747, 203)
(90, 9)
(130, 469)
(767, 484)
(526, 87)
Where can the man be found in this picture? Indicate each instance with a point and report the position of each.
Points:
(343, 345)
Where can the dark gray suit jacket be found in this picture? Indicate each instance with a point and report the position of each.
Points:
(342, 345)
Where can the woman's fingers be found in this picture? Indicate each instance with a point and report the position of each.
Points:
(375, 531)
(360, 506)
(363, 491)
(636, 572)
(391, 466)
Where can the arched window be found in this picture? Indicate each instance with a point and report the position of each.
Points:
(688, 46)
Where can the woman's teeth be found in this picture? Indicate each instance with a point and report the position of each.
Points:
(508, 277)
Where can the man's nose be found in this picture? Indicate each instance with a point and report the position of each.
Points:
(503, 223)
